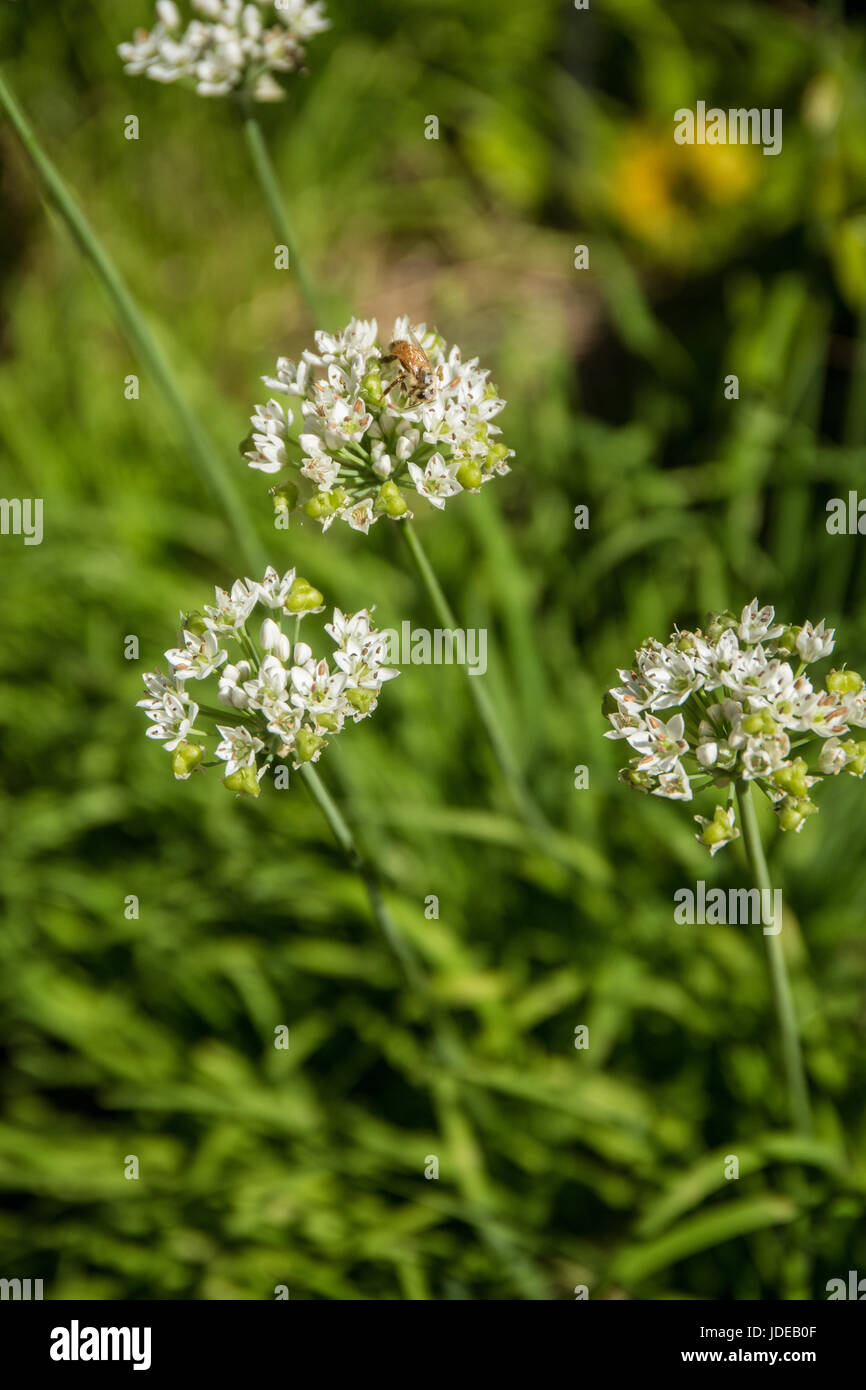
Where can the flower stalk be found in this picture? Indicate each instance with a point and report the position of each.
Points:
(368, 876)
(798, 1093)
(205, 457)
(266, 175)
(487, 713)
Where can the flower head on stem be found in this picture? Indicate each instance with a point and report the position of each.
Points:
(377, 421)
(242, 48)
(274, 698)
(734, 704)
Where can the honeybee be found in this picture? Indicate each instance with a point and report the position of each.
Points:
(416, 374)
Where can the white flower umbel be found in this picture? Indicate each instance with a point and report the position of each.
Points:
(746, 711)
(272, 698)
(374, 421)
(226, 47)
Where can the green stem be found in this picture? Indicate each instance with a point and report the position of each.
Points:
(798, 1094)
(508, 764)
(205, 457)
(264, 170)
(346, 840)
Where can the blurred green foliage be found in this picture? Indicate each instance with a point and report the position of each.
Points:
(154, 1036)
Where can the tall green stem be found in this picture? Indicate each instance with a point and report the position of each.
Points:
(503, 752)
(348, 844)
(205, 457)
(264, 169)
(798, 1094)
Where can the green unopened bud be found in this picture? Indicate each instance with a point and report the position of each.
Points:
(844, 682)
(498, 454)
(717, 623)
(244, 782)
(793, 779)
(325, 503)
(390, 499)
(362, 700)
(372, 389)
(857, 759)
(285, 497)
(307, 745)
(761, 722)
(327, 721)
(793, 812)
(720, 831)
(752, 724)
(715, 834)
(787, 641)
(193, 622)
(185, 759)
(319, 505)
(641, 781)
(469, 474)
(303, 598)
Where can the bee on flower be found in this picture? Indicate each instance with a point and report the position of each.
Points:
(272, 698)
(376, 421)
(737, 704)
(236, 48)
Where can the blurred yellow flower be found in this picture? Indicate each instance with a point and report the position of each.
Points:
(660, 190)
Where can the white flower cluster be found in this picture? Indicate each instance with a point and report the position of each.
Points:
(746, 711)
(277, 699)
(377, 420)
(236, 46)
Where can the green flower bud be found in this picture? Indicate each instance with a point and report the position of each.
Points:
(285, 497)
(856, 764)
(303, 598)
(319, 505)
(361, 699)
(390, 499)
(717, 623)
(793, 779)
(793, 812)
(760, 723)
(193, 622)
(469, 474)
(185, 759)
(721, 830)
(641, 781)
(715, 834)
(327, 721)
(372, 389)
(844, 682)
(307, 745)
(752, 724)
(787, 641)
(244, 782)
